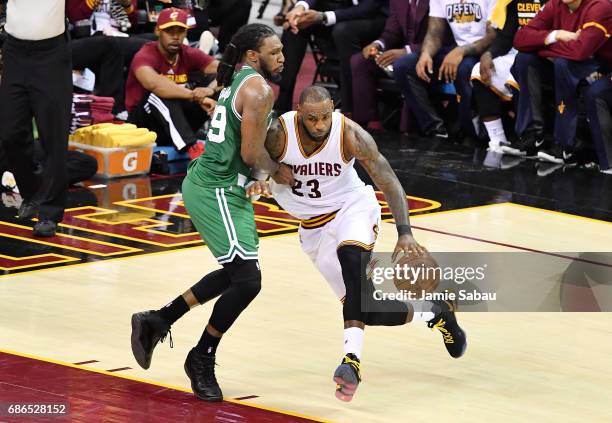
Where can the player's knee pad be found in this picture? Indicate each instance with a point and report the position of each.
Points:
(352, 261)
(211, 286)
(246, 277)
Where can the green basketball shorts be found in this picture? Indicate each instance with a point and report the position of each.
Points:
(224, 218)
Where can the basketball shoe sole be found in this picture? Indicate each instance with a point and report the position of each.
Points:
(347, 378)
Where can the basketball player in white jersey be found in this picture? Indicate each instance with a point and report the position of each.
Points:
(340, 215)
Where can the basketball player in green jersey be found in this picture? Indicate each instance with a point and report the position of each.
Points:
(215, 197)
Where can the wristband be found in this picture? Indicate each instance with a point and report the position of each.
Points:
(403, 230)
(259, 175)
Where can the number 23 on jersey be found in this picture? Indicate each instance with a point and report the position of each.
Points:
(313, 184)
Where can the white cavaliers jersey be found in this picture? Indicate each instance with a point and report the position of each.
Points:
(324, 179)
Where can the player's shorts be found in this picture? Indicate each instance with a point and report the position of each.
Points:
(356, 223)
(224, 218)
(502, 78)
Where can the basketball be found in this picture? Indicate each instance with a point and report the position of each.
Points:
(417, 273)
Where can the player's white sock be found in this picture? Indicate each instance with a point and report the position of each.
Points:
(353, 341)
(422, 311)
(423, 315)
(495, 129)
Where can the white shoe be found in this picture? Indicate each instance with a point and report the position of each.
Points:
(497, 146)
(493, 159)
(8, 182)
(208, 43)
(122, 115)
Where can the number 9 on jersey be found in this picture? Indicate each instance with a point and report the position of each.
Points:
(216, 133)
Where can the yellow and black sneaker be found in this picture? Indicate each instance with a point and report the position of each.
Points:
(454, 337)
(347, 377)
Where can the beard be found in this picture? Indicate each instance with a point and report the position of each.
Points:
(267, 73)
(318, 138)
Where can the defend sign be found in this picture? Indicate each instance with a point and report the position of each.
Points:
(117, 162)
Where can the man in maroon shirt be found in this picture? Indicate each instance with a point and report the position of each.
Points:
(157, 96)
(566, 42)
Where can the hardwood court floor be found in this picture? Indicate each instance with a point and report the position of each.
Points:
(286, 345)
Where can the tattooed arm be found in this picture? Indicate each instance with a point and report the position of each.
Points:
(478, 47)
(360, 145)
(276, 140)
(436, 27)
(254, 102)
(433, 40)
(451, 62)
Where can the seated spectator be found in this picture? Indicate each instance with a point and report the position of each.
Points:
(350, 25)
(156, 95)
(228, 15)
(598, 101)
(281, 17)
(491, 77)
(102, 55)
(403, 34)
(416, 72)
(100, 43)
(104, 16)
(566, 42)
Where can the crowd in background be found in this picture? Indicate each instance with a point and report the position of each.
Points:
(524, 77)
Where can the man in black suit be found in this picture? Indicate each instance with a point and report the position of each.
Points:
(349, 24)
(404, 32)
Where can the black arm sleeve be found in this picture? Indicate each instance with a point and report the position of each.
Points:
(503, 41)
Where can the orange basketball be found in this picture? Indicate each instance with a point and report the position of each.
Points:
(417, 273)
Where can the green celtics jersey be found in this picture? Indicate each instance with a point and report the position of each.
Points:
(221, 164)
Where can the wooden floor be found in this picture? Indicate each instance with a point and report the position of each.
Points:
(518, 366)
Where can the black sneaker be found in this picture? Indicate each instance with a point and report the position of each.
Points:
(347, 377)
(552, 155)
(439, 133)
(27, 211)
(148, 328)
(527, 145)
(454, 337)
(45, 228)
(201, 371)
(575, 155)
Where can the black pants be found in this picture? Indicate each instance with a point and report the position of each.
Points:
(598, 101)
(228, 15)
(530, 71)
(37, 83)
(103, 56)
(175, 121)
(417, 92)
(132, 45)
(348, 37)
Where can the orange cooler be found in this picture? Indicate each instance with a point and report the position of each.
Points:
(118, 162)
